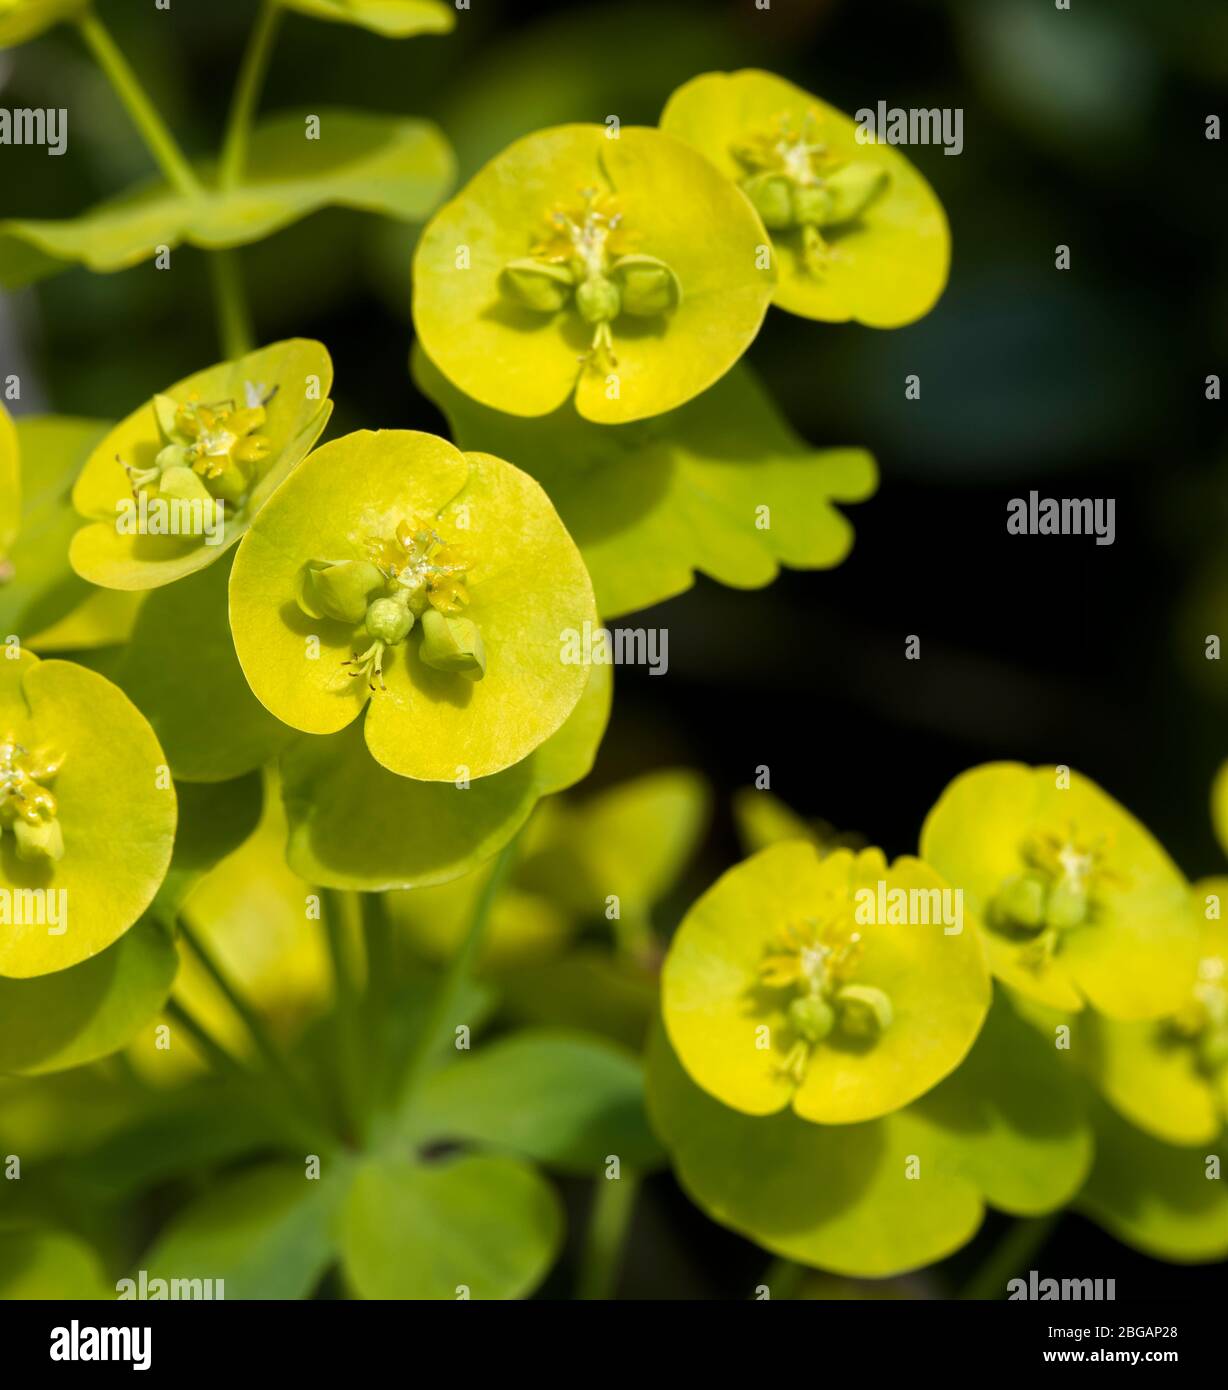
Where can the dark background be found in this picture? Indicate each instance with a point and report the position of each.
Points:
(1084, 128)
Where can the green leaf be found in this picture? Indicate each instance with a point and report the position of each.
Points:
(268, 1234)
(215, 818)
(354, 824)
(10, 490)
(563, 1099)
(394, 19)
(651, 503)
(48, 1265)
(486, 1224)
(41, 587)
(589, 989)
(77, 1015)
(180, 668)
(1157, 1197)
(388, 165)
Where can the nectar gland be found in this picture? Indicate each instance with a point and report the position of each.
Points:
(27, 807)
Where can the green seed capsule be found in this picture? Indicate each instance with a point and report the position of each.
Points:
(812, 206)
(452, 644)
(389, 621)
(172, 456)
(38, 841)
(812, 1016)
(852, 189)
(646, 285)
(865, 1012)
(1213, 1050)
(539, 285)
(598, 300)
(338, 589)
(183, 485)
(1021, 901)
(1067, 905)
(772, 195)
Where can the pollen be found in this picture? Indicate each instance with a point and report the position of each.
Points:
(427, 568)
(22, 774)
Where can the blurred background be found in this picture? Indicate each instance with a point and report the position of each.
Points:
(1083, 128)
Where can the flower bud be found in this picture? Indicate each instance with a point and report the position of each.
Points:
(38, 840)
(389, 621)
(598, 300)
(1021, 901)
(811, 205)
(338, 589)
(865, 1012)
(1067, 905)
(539, 285)
(771, 195)
(646, 286)
(812, 1016)
(452, 644)
(852, 189)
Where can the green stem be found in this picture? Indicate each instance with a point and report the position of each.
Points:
(247, 94)
(354, 1078)
(217, 1056)
(272, 1054)
(161, 143)
(448, 995)
(784, 1278)
(377, 945)
(1013, 1254)
(234, 323)
(609, 1224)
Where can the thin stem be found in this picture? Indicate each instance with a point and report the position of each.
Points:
(160, 142)
(354, 1078)
(1022, 1242)
(609, 1224)
(378, 949)
(784, 1278)
(272, 1054)
(453, 982)
(218, 1057)
(234, 325)
(247, 94)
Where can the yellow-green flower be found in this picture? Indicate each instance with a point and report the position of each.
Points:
(391, 568)
(857, 231)
(87, 814)
(789, 984)
(201, 458)
(623, 272)
(1076, 901)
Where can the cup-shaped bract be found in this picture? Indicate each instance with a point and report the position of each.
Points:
(87, 814)
(858, 233)
(841, 986)
(1169, 1076)
(22, 20)
(615, 266)
(465, 536)
(177, 483)
(1076, 900)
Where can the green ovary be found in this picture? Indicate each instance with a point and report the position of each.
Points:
(28, 807)
(817, 960)
(413, 580)
(798, 187)
(1203, 1022)
(587, 262)
(1054, 894)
